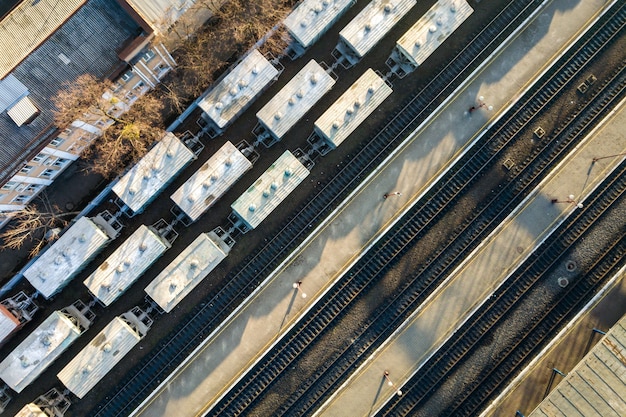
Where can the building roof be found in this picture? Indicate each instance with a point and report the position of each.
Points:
(295, 99)
(271, 189)
(66, 257)
(425, 36)
(352, 108)
(155, 170)
(311, 18)
(88, 40)
(42, 347)
(96, 359)
(129, 261)
(211, 181)
(8, 323)
(182, 275)
(31, 410)
(28, 25)
(238, 89)
(11, 90)
(596, 386)
(160, 15)
(373, 23)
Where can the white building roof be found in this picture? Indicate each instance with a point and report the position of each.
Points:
(160, 14)
(22, 111)
(274, 186)
(238, 89)
(155, 170)
(99, 357)
(311, 18)
(8, 323)
(352, 108)
(182, 275)
(211, 181)
(126, 264)
(373, 23)
(46, 343)
(295, 99)
(425, 36)
(66, 257)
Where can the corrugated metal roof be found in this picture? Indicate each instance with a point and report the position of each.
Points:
(271, 189)
(28, 25)
(295, 99)
(31, 410)
(597, 385)
(182, 275)
(23, 111)
(8, 323)
(40, 348)
(311, 18)
(425, 36)
(129, 261)
(98, 357)
(352, 108)
(97, 29)
(11, 90)
(373, 23)
(155, 170)
(211, 181)
(238, 89)
(66, 257)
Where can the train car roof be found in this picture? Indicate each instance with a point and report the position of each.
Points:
(211, 181)
(126, 264)
(66, 257)
(425, 36)
(271, 189)
(295, 99)
(352, 108)
(238, 89)
(189, 268)
(96, 359)
(373, 23)
(148, 176)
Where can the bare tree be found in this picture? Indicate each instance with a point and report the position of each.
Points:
(34, 225)
(127, 132)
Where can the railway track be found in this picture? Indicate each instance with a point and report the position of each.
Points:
(495, 312)
(412, 227)
(146, 376)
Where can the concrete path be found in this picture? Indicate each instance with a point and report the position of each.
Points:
(334, 246)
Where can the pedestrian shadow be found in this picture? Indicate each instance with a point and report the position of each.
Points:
(289, 307)
(377, 396)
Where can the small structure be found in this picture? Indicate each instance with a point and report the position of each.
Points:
(294, 100)
(352, 108)
(271, 189)
(153, 172)
(14, 313)
(310, 20)
(104, 352)
(369, 27)
(211, 181)
(60, 263)
(425, 36)
(596, 386)
(44, 345)
(236, 91)
(124, 266)
(182, 275)
(51, 404)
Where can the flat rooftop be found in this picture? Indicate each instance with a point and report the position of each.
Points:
(311, 18)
